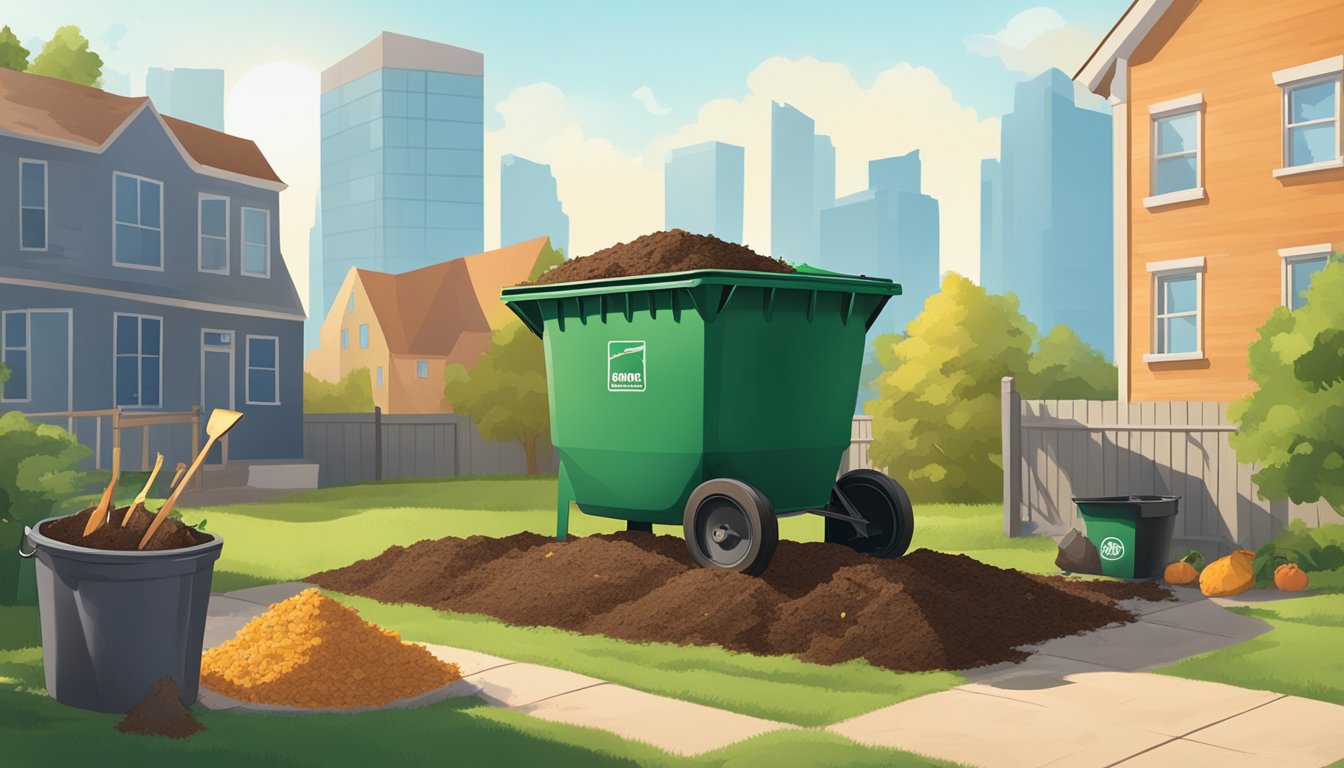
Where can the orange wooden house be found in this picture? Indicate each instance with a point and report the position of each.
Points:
(406, 328)
(1229, 182)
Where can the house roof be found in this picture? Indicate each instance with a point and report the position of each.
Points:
(59, 112)
(1119, 43)
(440, 310)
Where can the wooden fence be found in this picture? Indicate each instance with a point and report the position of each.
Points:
(140, 434)
(366, 447)
(1055, 450)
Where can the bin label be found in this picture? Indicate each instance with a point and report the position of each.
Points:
(625, 366)
(1112, 548)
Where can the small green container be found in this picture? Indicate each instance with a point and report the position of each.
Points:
(1132, 533)
(660, 382)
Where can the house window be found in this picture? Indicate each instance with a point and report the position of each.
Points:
(138, 349)
(32, 205)
(345, 338)
(380, 375)
(1177, 173)
(14, 353)
(350, 305)
(256, 242)
(1300, 265)
(1311, 115)
(213, 248)
(422, 369)
(263, 370)
(138, 207)
(1177, 310)
(363, 335)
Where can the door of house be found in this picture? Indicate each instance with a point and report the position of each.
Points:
(217, 379)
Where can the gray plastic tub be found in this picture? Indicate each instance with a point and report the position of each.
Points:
(114, 623)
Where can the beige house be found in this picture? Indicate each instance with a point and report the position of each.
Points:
(406, 328)
(1229, 180)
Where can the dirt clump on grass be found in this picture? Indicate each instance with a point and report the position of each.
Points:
(674, 250)
(823, 603)
(161, 713)
(172, 534)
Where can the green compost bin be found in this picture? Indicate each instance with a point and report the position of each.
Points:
(658, 383)
(1132, 534)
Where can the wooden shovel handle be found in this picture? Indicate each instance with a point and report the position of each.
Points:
(101, 513)
(172, 500)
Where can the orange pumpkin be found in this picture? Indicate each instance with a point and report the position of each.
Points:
(1290, 578)
(1185, 570)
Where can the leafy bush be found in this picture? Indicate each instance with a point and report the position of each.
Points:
(505, 394)
(39, 469)
(1311, 549)
(1064, 367)
(352, 394)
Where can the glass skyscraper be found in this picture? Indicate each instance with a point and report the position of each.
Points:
(802, 183)
(702, 190)
(529, 205)
(194, 95)
(402, 158)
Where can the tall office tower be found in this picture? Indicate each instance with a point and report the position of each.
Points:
(529, 205)
(991, 225)
(793, 209)
(703, 188)
(312, 327)
(823, 177)
(1055, 228)
(194, 95)
(402, 158)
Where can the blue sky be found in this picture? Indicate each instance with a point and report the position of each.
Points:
(592, 55)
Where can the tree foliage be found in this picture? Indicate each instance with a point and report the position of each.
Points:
(352, 394)
(39, 469)
(505, 394)
(1293, 424)
(936, 419)
(12, 53)
(67, 56)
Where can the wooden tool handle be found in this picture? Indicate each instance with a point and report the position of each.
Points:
(102, 513)
(172, 500)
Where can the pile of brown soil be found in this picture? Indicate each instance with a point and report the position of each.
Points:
(310, 651)
(161, 713)
(172, 534)
(675, 250)
(824, 603)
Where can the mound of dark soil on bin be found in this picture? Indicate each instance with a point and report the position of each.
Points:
(675, 250)
(161, 713)
(821, 602)
(172, 534)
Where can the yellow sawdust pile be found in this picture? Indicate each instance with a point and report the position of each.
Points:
(311, 651)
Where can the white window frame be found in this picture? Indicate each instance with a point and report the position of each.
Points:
(46, 205)
(248, 367)
(1192, 104)
(139, 369)
(159, 229)
(27, 349)
(242, 241)
(1293, 256)
(1325, 70)
(200, 233)
(419, 366)
(1175, 268)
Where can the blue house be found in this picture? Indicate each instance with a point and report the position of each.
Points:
(140, 267)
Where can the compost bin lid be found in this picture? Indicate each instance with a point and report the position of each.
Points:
(1149, 505)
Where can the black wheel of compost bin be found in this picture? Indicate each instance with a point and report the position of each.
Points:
(882, 503)
(730, 525)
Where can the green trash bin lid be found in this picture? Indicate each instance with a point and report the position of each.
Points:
(1149, 505)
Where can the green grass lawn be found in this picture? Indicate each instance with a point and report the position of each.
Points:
(298, 534)
(1301, 656)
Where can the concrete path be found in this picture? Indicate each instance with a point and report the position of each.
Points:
(1087, 700)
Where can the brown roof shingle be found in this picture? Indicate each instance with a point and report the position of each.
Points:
(45, 108)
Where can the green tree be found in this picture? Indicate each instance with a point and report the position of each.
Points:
(505, 394)
(352, 394)
(1293, 424)
(12, 53)
(1065, 367)
(67, 56)
(935, 421)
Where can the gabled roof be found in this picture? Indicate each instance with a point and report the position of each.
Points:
(434, 310)
(1129, 31)
(54, 111)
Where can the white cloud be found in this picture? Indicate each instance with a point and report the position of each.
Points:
(1035, 40)
(612, 196)
(644, 95)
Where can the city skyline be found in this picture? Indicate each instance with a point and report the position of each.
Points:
(529, 205)
(702, 186)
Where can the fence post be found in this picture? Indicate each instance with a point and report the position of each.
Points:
(1011, 422)
(377, 443)
(116, 429)
(196, 440)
